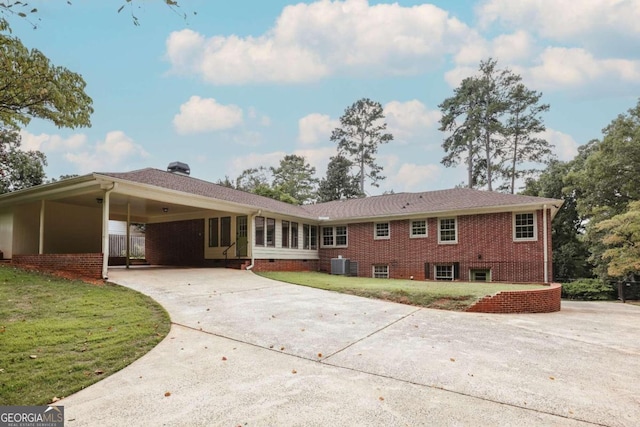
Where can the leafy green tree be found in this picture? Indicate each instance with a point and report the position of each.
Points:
(296, 178)
(252, 178)
(30, 86)
(523, 124)
(570, 252)
(492, 120)
(338, 184)
(607, 180)
(18, 169)
(622, 238)
(361, 132)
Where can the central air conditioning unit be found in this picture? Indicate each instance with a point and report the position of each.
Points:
(340, 266)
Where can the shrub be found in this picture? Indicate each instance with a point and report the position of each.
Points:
(589, 290)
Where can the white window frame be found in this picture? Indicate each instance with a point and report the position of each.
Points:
(334, 236)
(346, 236)
(375, 231)
(535, 227)
(381, 273)
(437, 277)
(447, 242)
(331, 235)
(418, 236)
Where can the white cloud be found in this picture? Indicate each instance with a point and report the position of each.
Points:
(413, 177)
(46, 143)
(409, 119)
(573, 67)
(311, 41)
(110, 154)
(315, 127)
(566, 148)
(566, 20)
(206, 115)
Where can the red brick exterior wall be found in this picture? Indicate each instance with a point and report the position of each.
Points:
(533, 301)
(484, 242)
(87, 265)
(285, 265)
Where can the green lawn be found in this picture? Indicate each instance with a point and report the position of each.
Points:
(443, 295)
(58, 336)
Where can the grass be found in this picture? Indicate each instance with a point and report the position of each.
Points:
(442, 295)
(59, 336)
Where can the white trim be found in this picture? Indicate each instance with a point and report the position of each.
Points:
(435, 272)
(375, 230)
(545, 244)
(419, 236)
(535, 227)
(334, 236)
(448, 242)
(373, 271)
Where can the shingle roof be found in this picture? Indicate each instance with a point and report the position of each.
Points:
(457, 199)
(426, 202)
(187, 184)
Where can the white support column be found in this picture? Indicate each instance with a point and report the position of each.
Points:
(105, 232)
(545, 240)
(128, 234)
(41, 236)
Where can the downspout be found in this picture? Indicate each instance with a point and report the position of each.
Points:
(105, 231)
(253, 217)
(545, 240)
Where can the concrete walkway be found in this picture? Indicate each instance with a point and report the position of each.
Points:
(248, 351)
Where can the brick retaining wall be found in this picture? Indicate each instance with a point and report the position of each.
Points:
(87, 265)
(533, 301)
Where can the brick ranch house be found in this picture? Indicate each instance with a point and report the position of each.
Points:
(457, 234)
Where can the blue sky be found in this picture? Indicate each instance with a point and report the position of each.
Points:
(243, 83)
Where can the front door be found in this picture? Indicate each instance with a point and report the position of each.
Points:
(242, 240)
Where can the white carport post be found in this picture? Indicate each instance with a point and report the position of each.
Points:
(41, 236)
(128, 233)
(105, 232)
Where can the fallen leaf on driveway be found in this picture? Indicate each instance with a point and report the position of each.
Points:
(452, 359)
(551, 378)
(224, 358)
(167, 394)
(294, 371)
(319, 354)
(381, 398)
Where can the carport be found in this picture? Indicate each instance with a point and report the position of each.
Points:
(64, 225)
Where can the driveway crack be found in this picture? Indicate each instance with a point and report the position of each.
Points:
(371, 334)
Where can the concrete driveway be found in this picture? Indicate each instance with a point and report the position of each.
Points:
(248, 351)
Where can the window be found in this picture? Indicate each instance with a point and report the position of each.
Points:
(313, 237)
(381, 230)
(443, 272)
(447, 230)
(259, 231)
(419, 228)
(294, 235)
(327, 236)
(341, 235)
(213, 232)
(309, 236)
(381, 271)
(524, 226)
(225, 231)
(285, 234)
(334, 236)
(271, 232)
(480, 275)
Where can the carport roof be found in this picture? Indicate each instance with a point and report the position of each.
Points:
(190, 185)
